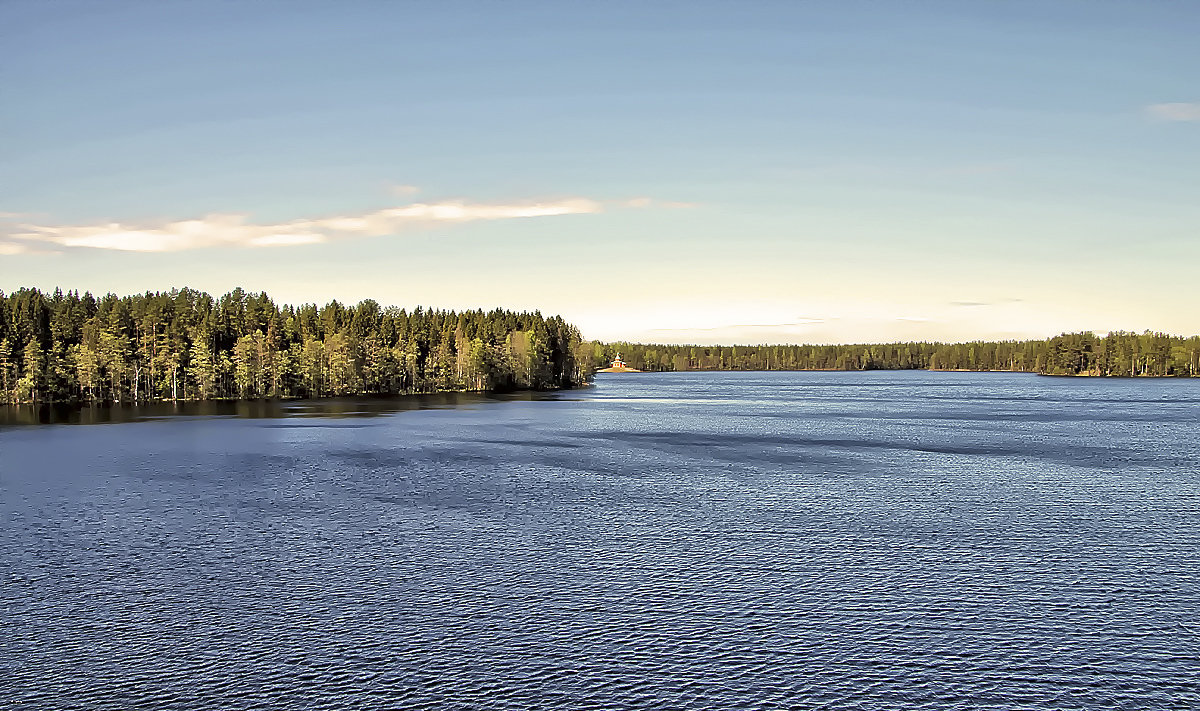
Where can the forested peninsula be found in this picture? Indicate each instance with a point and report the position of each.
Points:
(1114, 355)
(187, 345)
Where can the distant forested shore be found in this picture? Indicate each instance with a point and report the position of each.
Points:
(184, 344)
(1114, 355)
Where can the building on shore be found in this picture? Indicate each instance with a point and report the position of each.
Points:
(618, 366)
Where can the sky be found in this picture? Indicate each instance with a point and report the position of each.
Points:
(683, 172)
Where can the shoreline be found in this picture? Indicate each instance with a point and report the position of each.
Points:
(281, 401)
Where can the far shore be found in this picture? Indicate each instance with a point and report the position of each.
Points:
(1086, 374)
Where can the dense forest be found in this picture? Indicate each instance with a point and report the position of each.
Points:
(187, 345)
(1117, 354)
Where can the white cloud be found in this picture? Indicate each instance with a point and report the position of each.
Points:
(1175, 111)
(10, 248)
(222, 230)
(287, 240)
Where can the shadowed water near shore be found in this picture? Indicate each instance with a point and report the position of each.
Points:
(667, 541)
(70, 414)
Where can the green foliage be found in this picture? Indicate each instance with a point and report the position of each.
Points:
(1117, 354)
(186, 345)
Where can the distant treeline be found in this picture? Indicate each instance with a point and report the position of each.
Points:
(187, 345)
(1117, 354)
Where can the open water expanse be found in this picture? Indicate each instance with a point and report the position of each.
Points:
(875, 540)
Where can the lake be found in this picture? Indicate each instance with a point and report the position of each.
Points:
(877, 540)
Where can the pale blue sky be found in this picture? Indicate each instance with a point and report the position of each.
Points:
(694, 172)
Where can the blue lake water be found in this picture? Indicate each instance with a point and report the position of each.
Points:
(868, 540)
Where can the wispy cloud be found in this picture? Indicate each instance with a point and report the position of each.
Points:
(790, 324)
(231, 230)
(1179, 111)
(651, 202)
(10, 248)
(974, 304)
(13, 248)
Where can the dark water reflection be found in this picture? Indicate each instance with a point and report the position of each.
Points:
(64, 414)
(675, 541)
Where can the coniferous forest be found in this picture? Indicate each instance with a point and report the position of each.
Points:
(1117, 354)
(187, 345)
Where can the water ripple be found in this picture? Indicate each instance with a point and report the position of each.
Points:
(632, 547)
